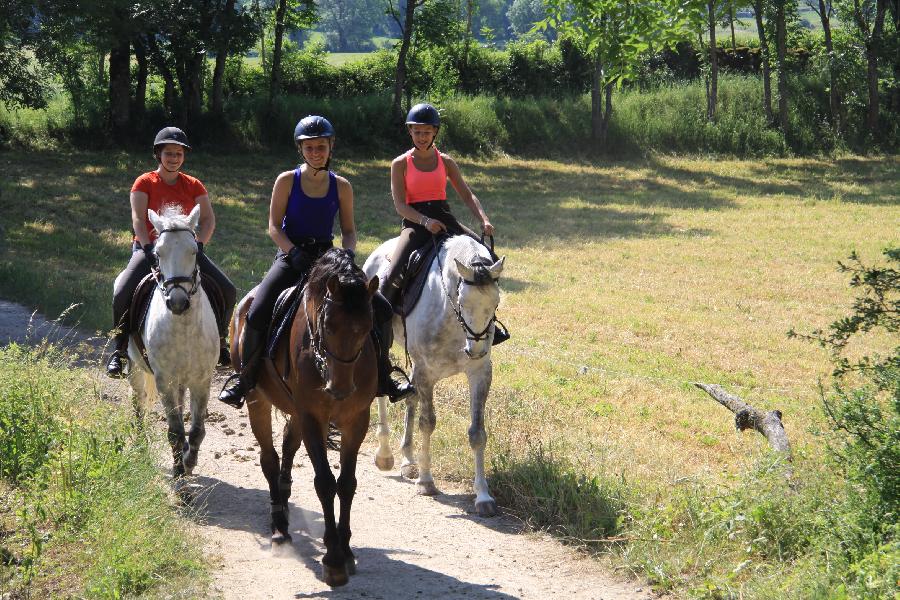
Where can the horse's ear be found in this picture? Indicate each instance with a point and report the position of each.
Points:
(332, 285)
(194, 217)
(155, 220)
(466, 272)
(496, 268)
(373, 286)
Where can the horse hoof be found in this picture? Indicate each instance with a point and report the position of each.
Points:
(410, 471)
(384, 463)
(426, 488)
(280, 537)
(487, 508)
(351, 566)
(335, 576)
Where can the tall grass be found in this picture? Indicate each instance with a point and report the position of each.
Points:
(85, 508)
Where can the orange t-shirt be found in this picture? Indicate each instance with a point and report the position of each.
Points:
(424, 186)
(183, 194)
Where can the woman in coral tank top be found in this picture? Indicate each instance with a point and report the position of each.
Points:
(419, 188)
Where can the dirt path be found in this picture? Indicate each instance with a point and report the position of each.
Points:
(407, 546)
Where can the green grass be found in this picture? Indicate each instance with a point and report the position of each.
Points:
(624, 282)
(84, 510)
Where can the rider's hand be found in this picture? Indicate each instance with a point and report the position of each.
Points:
(434, 226)
(149, 255)
(487, 228)
(298, 260)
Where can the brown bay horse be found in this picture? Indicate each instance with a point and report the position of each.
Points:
(323, 371)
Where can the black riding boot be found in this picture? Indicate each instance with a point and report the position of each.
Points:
(500, 334)
(115, 368)
(395, 390)
(251, 352)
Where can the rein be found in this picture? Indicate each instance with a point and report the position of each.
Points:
(317, 341)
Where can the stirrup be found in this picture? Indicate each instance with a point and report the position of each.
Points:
(501, 333)
(229, 398)
(121, 362)
(401, 393)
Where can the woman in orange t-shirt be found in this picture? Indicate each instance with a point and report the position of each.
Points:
(166, 186)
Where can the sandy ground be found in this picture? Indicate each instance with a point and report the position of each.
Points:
(407, 546)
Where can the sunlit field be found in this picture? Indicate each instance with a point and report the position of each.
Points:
(624, 282)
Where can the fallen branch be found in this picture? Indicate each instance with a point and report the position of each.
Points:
(747, 417)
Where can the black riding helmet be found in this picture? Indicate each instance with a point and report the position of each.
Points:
(424, 114)
(314, 126)
(169, 135)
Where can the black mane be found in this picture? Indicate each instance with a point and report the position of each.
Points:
(351, 279)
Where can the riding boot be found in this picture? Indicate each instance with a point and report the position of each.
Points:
(383, 336)
(500, 334)
(115, 368)
(224, 353)
(251, 352)
(390, 288)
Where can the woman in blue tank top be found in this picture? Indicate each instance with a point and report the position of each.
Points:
(302, 211)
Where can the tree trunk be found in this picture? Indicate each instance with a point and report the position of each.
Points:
(467, 43)
(120, 88)
(400, 76)
(764, 59)
(221, 56)
(894, 7)
(781, 42)
(600, 94)
(101, 68)
(731, 23)
(160, 62)
(873, 44)
(834, 99)
(712, 97)
(275, 76)
(140, 90)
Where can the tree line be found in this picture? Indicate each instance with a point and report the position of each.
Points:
(48, 42)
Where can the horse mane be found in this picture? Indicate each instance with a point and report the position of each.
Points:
(470, 253)
(174, 218)
(351, 279)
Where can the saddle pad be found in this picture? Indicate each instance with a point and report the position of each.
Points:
(416, 273)
(283, 316)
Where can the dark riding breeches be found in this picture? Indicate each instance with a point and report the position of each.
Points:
(414, 236)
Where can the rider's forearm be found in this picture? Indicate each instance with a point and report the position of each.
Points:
(348, 240)
(140, 231)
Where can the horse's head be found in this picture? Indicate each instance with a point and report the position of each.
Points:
(478, 297)
(176, 248)
(338, 305)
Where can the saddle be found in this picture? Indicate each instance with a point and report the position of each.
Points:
(412, 278)
(140, 307)
(283, 316)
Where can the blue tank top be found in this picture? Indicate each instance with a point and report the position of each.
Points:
(307, 217)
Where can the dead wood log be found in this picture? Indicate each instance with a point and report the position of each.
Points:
(747, 417)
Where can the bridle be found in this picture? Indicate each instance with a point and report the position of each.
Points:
(482, 277)
(166, 285)
(317, 343)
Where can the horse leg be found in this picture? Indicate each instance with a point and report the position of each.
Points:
(351, 439)
(260, 413)
(384, 458)
(199, 399)
(408, 465)
(333, 563)
(427, 420)
(291, 440)
(172, 401)
(479, 385)
(142, 386)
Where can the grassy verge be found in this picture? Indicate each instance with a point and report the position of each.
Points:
(84, 510)
(625, 281)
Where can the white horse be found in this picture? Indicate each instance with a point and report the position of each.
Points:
(449, 331)
(180, 337)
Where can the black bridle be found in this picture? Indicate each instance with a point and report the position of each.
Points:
(317, 343)
(482, 277)
(165, 285)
